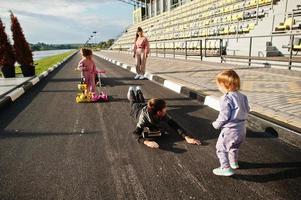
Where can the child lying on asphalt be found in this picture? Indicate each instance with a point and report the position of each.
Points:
(150, 115)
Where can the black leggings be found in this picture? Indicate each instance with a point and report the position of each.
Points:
(137, 102)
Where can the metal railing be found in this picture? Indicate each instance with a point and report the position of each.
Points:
(201, 48)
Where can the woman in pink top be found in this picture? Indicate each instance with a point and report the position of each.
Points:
(141, 51)
(88, 68)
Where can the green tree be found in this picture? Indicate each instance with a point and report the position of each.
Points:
(7, 55)
(110, 43)
(22, 48)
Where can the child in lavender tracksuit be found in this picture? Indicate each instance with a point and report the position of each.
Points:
(234, 109)
(88, 68)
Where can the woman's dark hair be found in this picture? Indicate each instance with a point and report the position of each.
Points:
(139, 29)
(155, 105)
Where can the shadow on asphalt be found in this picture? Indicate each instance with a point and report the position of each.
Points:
(117, 81)
(56, 91)
(249, 165)
(64, 80)
(293, 171)
(251, 134)
(203, 70)
(169, 141)
(21, 103)
(199, 126)
(17, 133)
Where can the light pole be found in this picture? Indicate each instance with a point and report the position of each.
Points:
(94, 32)
(91, 37)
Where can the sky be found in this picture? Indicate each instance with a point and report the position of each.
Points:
(67, 21)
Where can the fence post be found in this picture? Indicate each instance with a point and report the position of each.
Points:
(273, 26)
(250, 51)
(201, 49)
(291, 52)
(291, 25)
(220, 49)
(174, 50)
(257, 8)
(164, 49)
(205, 47)
(272, 5)
(185, 50)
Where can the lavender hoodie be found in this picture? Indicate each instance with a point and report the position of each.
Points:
(234, 109)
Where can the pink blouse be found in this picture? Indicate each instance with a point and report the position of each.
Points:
(142, 43)
(87, 66)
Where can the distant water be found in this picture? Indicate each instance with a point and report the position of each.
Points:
(41, 54)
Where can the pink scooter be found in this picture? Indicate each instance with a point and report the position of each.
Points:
(85, 97)
(102, 96)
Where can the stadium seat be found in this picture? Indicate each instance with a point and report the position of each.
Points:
(232, 29)
(202, 18)
(221, 31)
(251, 26)
(245, 28)
(253, 3)
(285, 25)
(226, 30)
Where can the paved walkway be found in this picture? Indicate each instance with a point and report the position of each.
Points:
(275, 93)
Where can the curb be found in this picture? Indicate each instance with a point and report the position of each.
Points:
(256, 121)
(19, 90)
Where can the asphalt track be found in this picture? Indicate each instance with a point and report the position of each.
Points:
(54, 148)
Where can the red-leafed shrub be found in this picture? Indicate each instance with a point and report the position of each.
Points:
(7, 55)
(22, 48)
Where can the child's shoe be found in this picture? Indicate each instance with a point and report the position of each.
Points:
(223, 171)
(137, 76)
(234, 165)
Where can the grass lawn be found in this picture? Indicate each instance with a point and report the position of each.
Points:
(44, 63)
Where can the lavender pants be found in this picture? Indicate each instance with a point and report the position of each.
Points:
(228, 144)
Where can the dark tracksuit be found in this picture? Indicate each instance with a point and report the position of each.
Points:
(144, 118)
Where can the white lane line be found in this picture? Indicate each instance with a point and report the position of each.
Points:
(111, 155)
(134, 181)
(189, 176)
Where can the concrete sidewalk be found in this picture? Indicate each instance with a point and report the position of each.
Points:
(9, 84)
(275, 93)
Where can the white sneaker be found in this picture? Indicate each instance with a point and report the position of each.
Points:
(142, 77)
(131, 88)
(223, 171)
(137, 76)
(138, 88)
